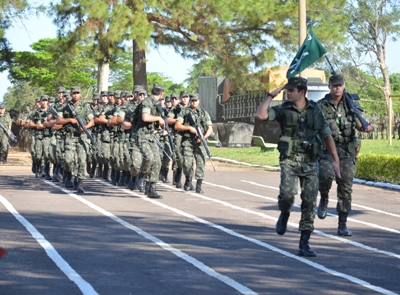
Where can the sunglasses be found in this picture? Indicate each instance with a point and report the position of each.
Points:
(174, 98)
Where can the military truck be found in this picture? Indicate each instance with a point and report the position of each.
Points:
(233, 113)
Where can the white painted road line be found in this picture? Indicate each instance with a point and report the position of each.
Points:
(193, 261)
(298, 206)
(295, 225)
(84, 286)
(331, 200)
(238, 235)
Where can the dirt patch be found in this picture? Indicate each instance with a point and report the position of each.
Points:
(17, 161)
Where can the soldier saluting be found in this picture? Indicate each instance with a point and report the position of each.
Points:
(303, 128)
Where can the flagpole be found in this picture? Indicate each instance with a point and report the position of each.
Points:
(302, 26)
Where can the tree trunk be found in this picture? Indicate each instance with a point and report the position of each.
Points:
(139, 66)
(103, 74)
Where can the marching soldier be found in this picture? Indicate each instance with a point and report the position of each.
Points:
(192, 149)
(76, 139)
(5, 119)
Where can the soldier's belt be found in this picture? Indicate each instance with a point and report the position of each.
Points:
(299, 158)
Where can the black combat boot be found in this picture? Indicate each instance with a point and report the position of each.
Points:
(55, 173)
(166, 180)
(198, 186)
(178, 178)
(281, 225)
(113, 176)
(99, 171)
(127, 178)
(68, 180)
(92, 170)
(323, 206)
(173, 177)
(121, 180)
(161, 174)
(152, 193)
(305, 249)
(146, 187)
(188, 184)
(106, 169)
(88, 167)
(34, 166)
(79, 187)
(342, 229)
(75, 183)
(47, 172)
(132, 183)
(140, 182)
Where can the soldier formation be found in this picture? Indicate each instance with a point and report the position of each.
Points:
(128, 139)
(381, 126)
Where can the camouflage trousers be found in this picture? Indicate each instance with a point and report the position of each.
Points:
(53, 149)
(345, 185)
(193, 153)
(168, 151)
(41, 155)
(135, 157)
(177, 163)
(151, 163)
(307, 173)
(75, 155)
(3, 145)
(125, 155)
(117, 155)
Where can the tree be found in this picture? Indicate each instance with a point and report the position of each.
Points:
(48, 67)
(240, 35)
(22, 94)
(371, 24)
(9, 12)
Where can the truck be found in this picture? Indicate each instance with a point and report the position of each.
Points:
(233, 114)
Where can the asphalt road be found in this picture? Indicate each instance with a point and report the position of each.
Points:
(114, 241)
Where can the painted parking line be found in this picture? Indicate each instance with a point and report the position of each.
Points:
(84, 286)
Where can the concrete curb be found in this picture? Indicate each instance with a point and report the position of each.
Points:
(270, 168)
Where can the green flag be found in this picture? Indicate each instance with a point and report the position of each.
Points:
(311, 51)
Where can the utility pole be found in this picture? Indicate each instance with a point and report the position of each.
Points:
(302, 24)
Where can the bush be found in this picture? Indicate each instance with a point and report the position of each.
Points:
(382, 167)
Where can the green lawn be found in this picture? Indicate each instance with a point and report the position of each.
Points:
(253, 155)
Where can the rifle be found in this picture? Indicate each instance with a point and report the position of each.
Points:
(161, 146)
(9, 134)
(193, 122)
(83, 126)
(111, 112)
(170, 139)
(350, 102)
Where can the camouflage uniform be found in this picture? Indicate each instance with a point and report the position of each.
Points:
(146, 135)
(177, 164)
(343, 129)
(191, 149)
(343, 123)
(24, 132)
(6, 121)
(385, 126)
(299, 144)
(76, 143)
(132, 155)
(375, 125)
(42, 142)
